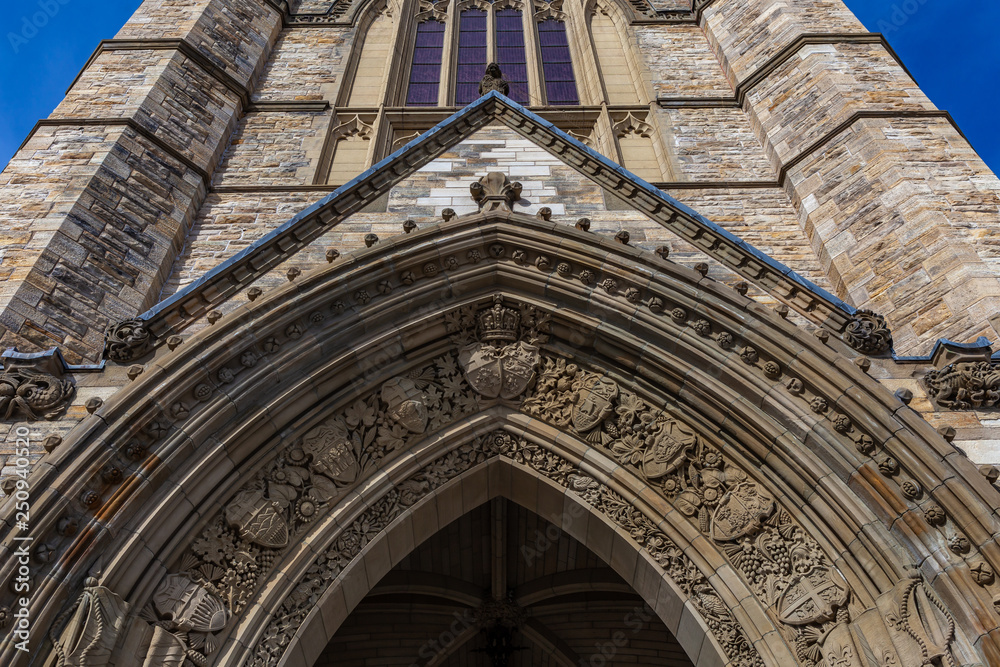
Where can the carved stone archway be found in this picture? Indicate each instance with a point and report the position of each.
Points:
(782, 491)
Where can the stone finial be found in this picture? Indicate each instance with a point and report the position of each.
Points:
(868, 333)
(495, 192)
(493, 80)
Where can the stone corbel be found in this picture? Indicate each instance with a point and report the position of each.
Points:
(868, 333)
(32, 386)
(127, 341)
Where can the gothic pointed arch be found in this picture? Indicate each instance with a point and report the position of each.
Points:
(250, 482)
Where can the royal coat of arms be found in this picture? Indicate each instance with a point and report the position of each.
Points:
(740, 512)
(595, 401)
(406, 404)
(258, 519)
(813, 597)
(499, 365)
(332, 454)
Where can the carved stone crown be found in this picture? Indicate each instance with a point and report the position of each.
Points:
(498, 322)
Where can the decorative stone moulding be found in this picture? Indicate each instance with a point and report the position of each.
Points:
(33, 386)
(188, 305)
(501, 365)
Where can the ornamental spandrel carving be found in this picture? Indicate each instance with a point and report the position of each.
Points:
(92, 626)
(352, 540)
(760, 538)
(499, 347)
(965, 385)
(236, 551)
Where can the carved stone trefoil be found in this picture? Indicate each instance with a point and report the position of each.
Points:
(813, 597)
(493, 80)
(32, 386)
(499, 365)
(965, 385)
(127, 341)
(868, 333)
(495, 192)
(95, 621)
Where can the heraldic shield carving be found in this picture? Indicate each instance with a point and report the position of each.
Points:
(502, 362)
(813, 597)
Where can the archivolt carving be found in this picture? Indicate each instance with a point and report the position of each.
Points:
(783, 566)
(95, 622)
(236, 551)
(375, 519)
(678, 566)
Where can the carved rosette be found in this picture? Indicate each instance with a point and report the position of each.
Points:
(127, 341)
(494, 192)
(965, 385)
(868, 333)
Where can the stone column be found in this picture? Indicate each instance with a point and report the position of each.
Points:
(95, 205)
(897, 205)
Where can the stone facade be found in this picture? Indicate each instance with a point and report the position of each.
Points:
(729, 325)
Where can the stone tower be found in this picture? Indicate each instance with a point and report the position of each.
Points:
(513, 332)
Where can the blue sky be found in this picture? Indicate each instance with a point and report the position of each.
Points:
(949, 46)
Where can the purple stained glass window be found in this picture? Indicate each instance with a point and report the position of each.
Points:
(471, 55)
(557, 66)
(425, 71)
(510, 53)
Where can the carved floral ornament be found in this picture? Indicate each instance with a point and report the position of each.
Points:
(499, 357)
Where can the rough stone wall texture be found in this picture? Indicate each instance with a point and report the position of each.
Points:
(707, 145)
(118, 171)
(275, 148)
(680, 61)
(886, 192)
(306, 65)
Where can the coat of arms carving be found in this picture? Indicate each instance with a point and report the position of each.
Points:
(258, 519)
(813, 597)
(502, 362)
(188, 606)
(595, 401)
(406, 404)
(332, 453)
(740, 512)
(668, 449)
